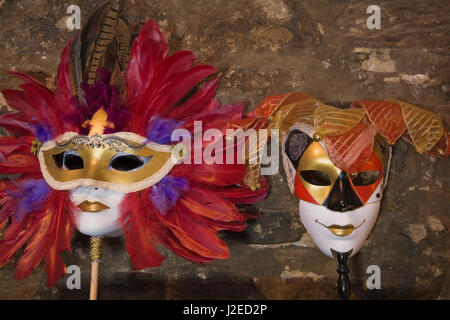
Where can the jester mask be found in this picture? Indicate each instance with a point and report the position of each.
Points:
(337, 163)
(337, 160)
(97, 154)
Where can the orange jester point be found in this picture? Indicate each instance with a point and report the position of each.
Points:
(98, 123)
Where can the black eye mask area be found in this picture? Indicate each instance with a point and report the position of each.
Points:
(295, 145)
(342, 197)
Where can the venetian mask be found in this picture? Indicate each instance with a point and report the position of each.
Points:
(98, 154)
(99, 169)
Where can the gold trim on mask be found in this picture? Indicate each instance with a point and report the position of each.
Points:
(316, 158)
(97, 151)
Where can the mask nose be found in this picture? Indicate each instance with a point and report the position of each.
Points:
(342, 197)
(92, 191)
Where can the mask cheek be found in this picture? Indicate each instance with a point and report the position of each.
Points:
(366, 192)
(301, 192)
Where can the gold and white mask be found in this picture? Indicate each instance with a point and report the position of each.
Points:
(99, 169)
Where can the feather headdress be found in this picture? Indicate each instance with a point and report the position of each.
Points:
(146, 91)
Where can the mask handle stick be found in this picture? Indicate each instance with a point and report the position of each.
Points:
(95, 254)
(343, 283)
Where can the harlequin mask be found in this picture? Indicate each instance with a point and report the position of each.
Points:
(337, 208)
(337, 161)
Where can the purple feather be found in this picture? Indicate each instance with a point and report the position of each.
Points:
(160, 129)
(30, 196)
(42, 132)
(166, 192)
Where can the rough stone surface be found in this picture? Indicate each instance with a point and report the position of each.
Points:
(321, 47)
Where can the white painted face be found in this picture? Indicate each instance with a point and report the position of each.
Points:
(318, 220)
(99, 211)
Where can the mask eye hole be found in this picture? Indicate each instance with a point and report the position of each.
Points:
(72, 160)
(59, 159)
(366, 178)
(127, 162)
(68, 160)
(316, 177)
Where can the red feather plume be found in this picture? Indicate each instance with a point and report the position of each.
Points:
(46, 233)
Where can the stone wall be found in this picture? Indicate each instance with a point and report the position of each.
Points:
(265, 47)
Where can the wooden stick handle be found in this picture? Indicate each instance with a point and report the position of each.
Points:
(94, 280)
(95, 254)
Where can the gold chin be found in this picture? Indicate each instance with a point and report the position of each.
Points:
(95, 206)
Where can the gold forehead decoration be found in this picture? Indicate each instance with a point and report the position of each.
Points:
(98, 123)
